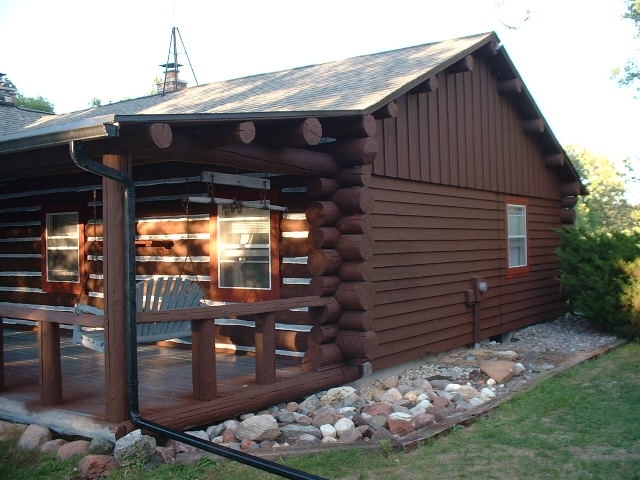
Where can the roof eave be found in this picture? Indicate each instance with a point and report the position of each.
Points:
(91, 129)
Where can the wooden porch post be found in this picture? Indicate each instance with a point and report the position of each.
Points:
(50, 366)
(114, 258)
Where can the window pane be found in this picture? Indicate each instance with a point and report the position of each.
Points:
(517, 227)
(63, 247)
(244, 253)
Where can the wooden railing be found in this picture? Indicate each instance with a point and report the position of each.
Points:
(203, 339)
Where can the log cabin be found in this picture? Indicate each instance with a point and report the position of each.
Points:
(341, 218)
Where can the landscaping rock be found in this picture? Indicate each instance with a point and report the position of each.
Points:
(499, 370)
(77, 447)
(34, 437)
(52, 446)
(135, 448)
(99, 446)
(96, 467)
(259, 427)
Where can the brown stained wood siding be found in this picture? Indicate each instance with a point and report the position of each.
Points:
(463, 134)
(430, 241)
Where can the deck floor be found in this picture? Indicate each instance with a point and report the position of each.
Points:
(164, 375)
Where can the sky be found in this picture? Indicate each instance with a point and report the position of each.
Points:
(72, 51)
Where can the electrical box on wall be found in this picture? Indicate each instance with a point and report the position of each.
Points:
(480, 287)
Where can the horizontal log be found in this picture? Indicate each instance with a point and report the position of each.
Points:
(346, 127)
(258, 157)
(555, 160)
(356, 271)
(328, 313)
(294, 270)
(390, 110)
(294, 247)
(354, 200)
(570, 189)
(244, 336)
(355, 247)
(356, 320)
(321, 213)
(293, 290)
(568, 202)
(292, 133)
(324, 285)
(354, 176)
(351, 151)
(510, 86)
(534, 125)
(567, 216)
(463, 65)
(323, 355)
(358, 343)
(356, 295)
(324, 333)
(229, 133)
(429, 85)
(324, 262)
(356, 223)
(318, 187)
(294, 225)
(145, 138)
(323, 237)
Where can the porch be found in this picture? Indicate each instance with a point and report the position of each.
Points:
(179, 387)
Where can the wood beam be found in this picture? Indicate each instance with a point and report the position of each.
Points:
(297, 133)
(570, 189)
(429, 85)
(512, 86)
(463, 65)
(390, 110)
(347, 127)
(534, 125)
(252, 157)
(351, 151)
(555, 160)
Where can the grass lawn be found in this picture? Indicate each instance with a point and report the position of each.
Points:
(583, 423)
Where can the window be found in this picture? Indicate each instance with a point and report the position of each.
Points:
(247, 263)
(62, 242)
(517, 237)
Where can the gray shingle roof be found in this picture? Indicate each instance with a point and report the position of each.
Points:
(355, 85)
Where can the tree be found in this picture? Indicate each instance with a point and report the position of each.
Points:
(630, 73)
(34, 103)
(605, 208)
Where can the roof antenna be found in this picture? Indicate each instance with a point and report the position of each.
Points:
(171, 68)
(513, 13)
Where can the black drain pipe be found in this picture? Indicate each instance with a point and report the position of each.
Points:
(83, 162)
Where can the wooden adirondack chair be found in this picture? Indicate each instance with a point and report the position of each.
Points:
(168, 293)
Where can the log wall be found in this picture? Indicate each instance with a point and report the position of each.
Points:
(170, 240)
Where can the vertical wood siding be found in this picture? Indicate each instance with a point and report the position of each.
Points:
(440, 178)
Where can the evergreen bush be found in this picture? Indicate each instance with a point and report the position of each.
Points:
(600, 273)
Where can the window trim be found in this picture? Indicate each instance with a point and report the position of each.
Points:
(68, 287)
(245, 294)
(521, 270)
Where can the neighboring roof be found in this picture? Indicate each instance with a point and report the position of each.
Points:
(14, 118)
(353, 86)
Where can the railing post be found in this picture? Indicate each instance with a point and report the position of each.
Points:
(203, 360)
(265, 340)
(50, 366)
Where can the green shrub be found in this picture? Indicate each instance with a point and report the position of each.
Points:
(600, 273)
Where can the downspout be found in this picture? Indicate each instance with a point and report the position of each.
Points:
(83, 162)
